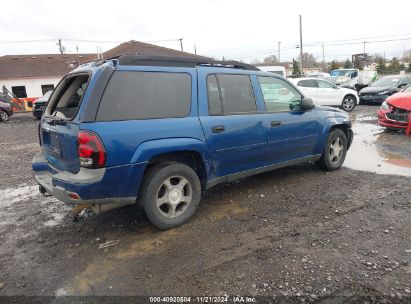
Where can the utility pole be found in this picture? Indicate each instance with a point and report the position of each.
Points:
(78, 56)
(181, 44)
(323, 59)
(279, 52)
(195, 49)
(301, 46)
(365, 56)
(60, 47)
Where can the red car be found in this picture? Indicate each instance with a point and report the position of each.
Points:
(395, 111)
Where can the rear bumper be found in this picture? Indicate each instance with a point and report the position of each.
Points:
(92, 186)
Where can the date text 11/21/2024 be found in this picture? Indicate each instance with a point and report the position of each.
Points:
(204, 299)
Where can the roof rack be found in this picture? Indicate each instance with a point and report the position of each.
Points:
(145, 60)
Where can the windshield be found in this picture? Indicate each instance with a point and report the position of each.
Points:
(386, 82)
(341, 73)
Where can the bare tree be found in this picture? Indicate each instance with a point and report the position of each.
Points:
(270, 59)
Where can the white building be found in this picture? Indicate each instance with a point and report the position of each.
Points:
(30, 76)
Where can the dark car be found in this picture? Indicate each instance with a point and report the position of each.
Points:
(40, 104)
(6, 110)
(378, 91)
(158, 131)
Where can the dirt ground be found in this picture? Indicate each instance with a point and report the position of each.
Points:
(292, 235)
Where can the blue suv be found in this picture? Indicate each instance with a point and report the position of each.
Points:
(158, 131)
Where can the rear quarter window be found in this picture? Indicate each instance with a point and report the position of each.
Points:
(68, 96)
(134, 95)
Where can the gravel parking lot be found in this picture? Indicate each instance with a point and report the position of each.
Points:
(296, 234)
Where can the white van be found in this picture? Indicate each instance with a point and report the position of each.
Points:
(276, 69)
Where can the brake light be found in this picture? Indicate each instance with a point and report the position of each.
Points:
(91, 150)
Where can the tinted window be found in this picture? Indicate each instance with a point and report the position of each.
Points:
(278, 94)
(236, 93)
(214, 101)
(146, 95)
(308, 83)
(325, 84)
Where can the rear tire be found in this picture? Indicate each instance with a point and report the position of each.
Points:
(170, 194)
(334, 152)
(4, 116)
(348, 104)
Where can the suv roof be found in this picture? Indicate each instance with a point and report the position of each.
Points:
(144, 60)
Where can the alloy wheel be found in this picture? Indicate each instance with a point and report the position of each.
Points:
(336, 150)
(174, 196)
(348, 104)
(4, 116)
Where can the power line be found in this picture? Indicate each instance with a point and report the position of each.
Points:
(361, 42)
(28, 41)
(248, 55)
(362, 39)
(81, 40)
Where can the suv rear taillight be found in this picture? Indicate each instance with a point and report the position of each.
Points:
(91, 150)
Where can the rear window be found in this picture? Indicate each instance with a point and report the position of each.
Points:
(308, 83)
(68, 97)
(146, 95)
(230, 94)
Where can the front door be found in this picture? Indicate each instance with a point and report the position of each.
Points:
(292, 133)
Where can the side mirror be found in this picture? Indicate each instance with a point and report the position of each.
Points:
(402, 85)
(307, 103)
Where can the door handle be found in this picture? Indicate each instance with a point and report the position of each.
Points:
(275, 124)
(218, 129)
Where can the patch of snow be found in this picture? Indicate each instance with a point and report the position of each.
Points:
(11, 196)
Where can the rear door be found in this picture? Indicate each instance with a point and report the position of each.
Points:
(59, 126)
(233, 124)
(309, 87)
(328, 94)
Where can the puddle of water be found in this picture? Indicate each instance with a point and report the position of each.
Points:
(364, 154)
(13, 195)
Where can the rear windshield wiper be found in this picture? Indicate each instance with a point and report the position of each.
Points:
(56, 121)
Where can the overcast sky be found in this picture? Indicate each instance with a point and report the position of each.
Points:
(245, 30)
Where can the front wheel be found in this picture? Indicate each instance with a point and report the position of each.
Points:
(4, 116)
(170, 194)
(348, 103)
(335, 151)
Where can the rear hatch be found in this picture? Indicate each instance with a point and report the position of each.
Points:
(60, 124)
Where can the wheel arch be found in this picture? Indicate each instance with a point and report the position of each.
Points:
(191, 158)
(189, 151)
(332, 123)
(351, 95)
